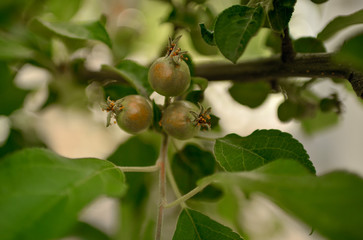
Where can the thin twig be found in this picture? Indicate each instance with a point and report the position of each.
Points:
(187, 196)
(162, 161)
(173, 184)
(153, 168)
(162, 185)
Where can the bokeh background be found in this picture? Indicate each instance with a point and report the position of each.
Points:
(75, 132)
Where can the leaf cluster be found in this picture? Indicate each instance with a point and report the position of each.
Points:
(270, 162)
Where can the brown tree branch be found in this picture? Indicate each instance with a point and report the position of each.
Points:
(304, 65)
(268, 69)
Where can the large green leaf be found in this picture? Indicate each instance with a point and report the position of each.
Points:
(251, 94)
(41, 193)
(236, 153)
(195, 225)
(133, 73)
(339, 23)
(234, 27)
(11, 97)
(331, 204)
(191, 164)
(80, 31)
(280, 13)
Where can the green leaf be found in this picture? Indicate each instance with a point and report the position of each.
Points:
(280, 14)
(15, 141)
(157, 113)
(321, 121)
(134, 211)
(309, 45)
(11, 49)
(195, 96)
(234, 27)
(116, 91)
(133, 73)
(182, 17)
(197, 1)
(81, 31)
(135, 221)
(203, 39)
(189, 61)
(331, 204)
(214, 122)
(201, 82)
(191, 164)
(207, 35)
(352, 53)
(41, 193)
(85, 231)
(195, 225)
(339, 23)
(63, 11)
(18, 139)
(124, 40)
(251, 94)
(11, 97)
(129, 154)
(236, 153)
(288, 110)
(200, 45)
(319, 1)
(273, 41)
(229, 207)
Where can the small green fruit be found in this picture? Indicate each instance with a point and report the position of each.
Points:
(178, 121)
(135, 114)
(168, 78)
(170, 75)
